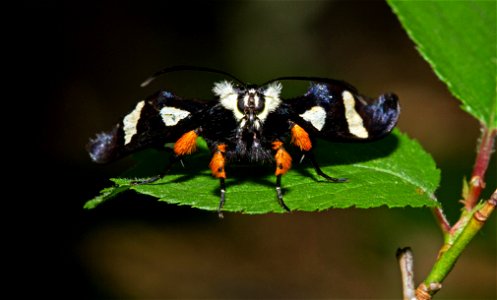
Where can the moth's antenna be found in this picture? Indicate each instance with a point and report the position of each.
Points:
(314, 79)
(188, 68)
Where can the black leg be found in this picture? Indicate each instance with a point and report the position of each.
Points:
(148, 180)
(223, 198)
(173, 159)
(314, 162)
(279, 194)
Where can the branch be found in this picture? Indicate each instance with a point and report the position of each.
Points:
(477, 183)
(449, 256)
(406, 264)
(442, 220)
(472, 219)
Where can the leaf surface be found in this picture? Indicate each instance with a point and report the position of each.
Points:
(395, 172)
(459, 40)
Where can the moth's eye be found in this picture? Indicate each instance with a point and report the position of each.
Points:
(260, 102)
(241, 101)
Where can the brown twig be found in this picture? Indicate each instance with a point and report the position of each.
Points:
(406, 264)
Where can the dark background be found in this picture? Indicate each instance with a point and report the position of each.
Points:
(79, 66)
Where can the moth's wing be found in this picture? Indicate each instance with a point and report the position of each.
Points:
(155, 121)
(335, 111)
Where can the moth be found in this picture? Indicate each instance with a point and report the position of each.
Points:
(247, 123)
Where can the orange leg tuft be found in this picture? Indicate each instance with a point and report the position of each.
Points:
(300, 138)
(283, 159)
(186, 144)
(218, 161)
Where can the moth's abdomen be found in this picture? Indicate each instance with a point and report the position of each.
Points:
(105, 146)
(381, 116)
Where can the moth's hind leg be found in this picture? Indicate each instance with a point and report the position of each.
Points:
(302, 140)
(318, 170)
(172, 161)
(185, 145)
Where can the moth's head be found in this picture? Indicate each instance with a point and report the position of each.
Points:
(247, 100)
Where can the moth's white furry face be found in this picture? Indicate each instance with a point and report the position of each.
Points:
(251, 104)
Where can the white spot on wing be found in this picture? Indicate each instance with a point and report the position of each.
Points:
(228, 97)
(272, 100)
(172, 115)
(131, 121)
(316, 116)
(354, 120)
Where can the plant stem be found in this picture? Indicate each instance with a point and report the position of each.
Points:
(447, 259)
(477, 183)
(472, 219)
(442, 220)
(406, 264)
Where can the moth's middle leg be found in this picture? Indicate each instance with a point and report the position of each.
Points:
(283, 164)
(217, 166)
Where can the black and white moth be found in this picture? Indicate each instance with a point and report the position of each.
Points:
(249, 123)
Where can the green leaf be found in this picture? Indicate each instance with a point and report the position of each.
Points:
(106, 194)
(458, 39)
(394, 171)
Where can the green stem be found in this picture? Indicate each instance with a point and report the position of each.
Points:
(470, 222)
(448, 258)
